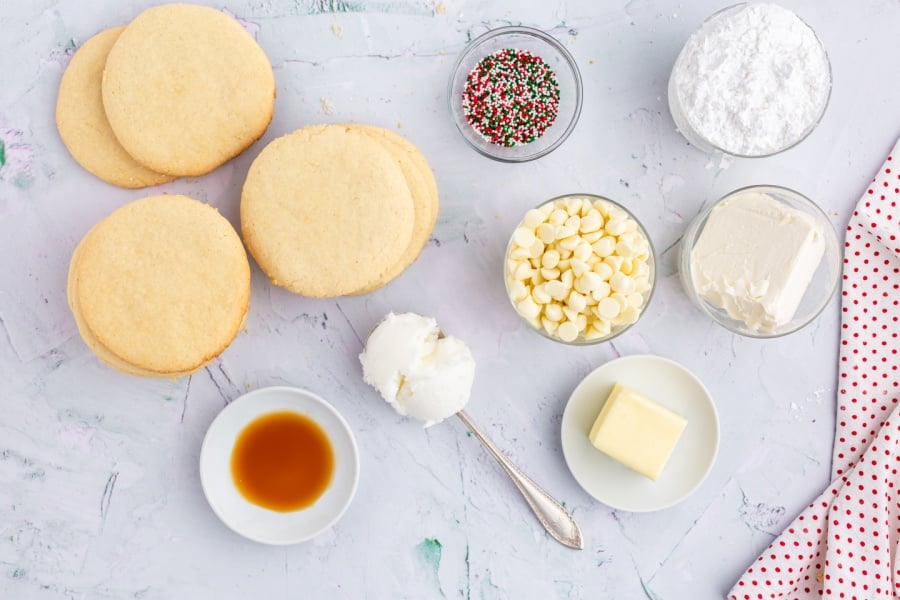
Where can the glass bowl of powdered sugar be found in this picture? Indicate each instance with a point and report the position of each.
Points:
(752, 81)
(763, 261)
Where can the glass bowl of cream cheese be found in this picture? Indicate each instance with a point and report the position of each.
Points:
(752, 81)
(763, 261)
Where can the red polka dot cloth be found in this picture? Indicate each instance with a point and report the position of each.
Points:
(843, 545)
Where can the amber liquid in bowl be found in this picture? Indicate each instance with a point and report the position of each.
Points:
(282, 461)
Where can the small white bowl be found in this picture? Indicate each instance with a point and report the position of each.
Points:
(257, 523)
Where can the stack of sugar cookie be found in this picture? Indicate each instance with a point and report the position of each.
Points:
(178, 92)
(331, 210)
(160, 287)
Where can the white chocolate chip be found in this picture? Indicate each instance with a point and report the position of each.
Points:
(578, 267)
(517, 290)
(546, 233)
(641, 284)
(556, 289)
(635, 300)
(568, 279)
(624, 249)
(590, 334)
(576, 301)
(558, 217)
(614, 261)
(604, 247)
(581, 322)
(621, 283)
(591, 222)
(588, 282)
(603, 270)
(601, 292)
(523, 237)
(519, 253)
(603, 207)
(564, 231)
(553, 312)
(536, 250)
(527, 308)
(608, 309)
(523, 271)
(573, 222)
(615, 226)
(622, 299)
(550, 259)
(540, 295)
(567, 331)
(549, 326)
(573, 205)
(582, 251)
(533, 218)
(549, 274)
(629, 315)
(569, 244)
(602, 326)
(571, 313)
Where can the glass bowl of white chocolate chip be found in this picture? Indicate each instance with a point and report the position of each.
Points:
(763, 261)
(579, 269)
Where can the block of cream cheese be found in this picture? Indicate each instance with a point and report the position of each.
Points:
(755, 258)
(636, 431)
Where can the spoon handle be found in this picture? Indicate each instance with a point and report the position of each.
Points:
(552, 516)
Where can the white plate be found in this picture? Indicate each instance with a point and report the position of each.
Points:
(667, 383)
(257, 523)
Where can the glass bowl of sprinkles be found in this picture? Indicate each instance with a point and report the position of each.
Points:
(515, 94)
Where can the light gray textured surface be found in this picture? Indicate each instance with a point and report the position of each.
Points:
(99, 490)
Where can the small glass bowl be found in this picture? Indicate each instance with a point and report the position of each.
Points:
(821, 287)
(616, 330)
(697, 139)
(567, 76)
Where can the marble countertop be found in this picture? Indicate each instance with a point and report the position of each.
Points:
(99, 489)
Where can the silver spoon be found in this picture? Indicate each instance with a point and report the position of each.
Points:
(558, 523)
(548, 511)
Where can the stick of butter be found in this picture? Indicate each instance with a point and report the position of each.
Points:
(636, 431)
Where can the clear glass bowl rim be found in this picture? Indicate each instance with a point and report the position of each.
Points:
(691, 235)
(579, 341)
(553, 43)
(812, 127)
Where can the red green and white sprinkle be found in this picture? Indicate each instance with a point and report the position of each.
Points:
(511, 97)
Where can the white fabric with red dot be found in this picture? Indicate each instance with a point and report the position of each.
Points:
(844, 544)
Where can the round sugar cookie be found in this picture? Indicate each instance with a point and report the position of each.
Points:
(160, 287)
(186, 88)
(326, 211)
(422, 187)
(82, 124)
(96, 347)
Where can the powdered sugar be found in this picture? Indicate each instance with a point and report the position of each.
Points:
(753, 80)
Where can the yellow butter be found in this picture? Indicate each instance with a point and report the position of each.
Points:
(636, 431)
